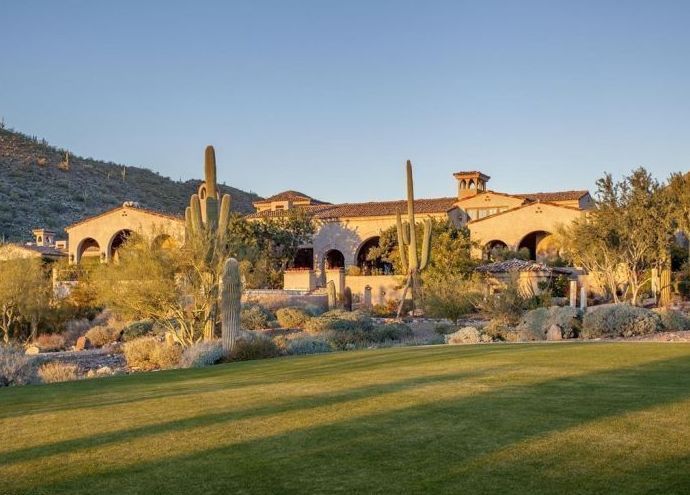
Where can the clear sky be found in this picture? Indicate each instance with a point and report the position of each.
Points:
(330, 97)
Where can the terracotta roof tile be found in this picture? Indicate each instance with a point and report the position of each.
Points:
(553, 196)
(291, 196)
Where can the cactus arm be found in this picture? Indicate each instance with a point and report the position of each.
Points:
(210, 172)
(224, 216)
(426, 245)
(230, 303)
(413, 262)
(401, 242)
(188, 223)
(197, 222)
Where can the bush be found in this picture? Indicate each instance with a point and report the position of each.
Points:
(535, 323)
(466, 335)
(444, 328)
(673, 320)
(149, 353)
(56, 371)
(500, 329)
(202, 354)
(255, 317)
(307, 344)
(450, 297)
(340, 320)
(509, 304)
(16, 368)
(292, 317)
(137, 329)
(50, 342)
(100, 335)
(390, 331)
(619, 320)
(254, 346)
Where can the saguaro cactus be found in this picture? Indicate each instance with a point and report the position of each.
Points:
(407, 244)
(330, 289)
(206, 223)
(230, 305)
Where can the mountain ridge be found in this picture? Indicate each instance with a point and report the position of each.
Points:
(46, 186)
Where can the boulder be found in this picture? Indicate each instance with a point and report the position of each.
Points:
(555, 332)
(104, 370)
(466, 335)
(32, 350)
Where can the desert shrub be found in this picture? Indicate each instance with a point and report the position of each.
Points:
(353, 270)
(619, 320)
(149, 353)
(389, 309)
(510, 303)
(50, 342)
(202, 354)
(254, 346)
(100, 335)
(16, 368)
(307, 344)
(390, 331)
(535, 323)
(292, 317)
(674, 320)
(137, 329)
(466, 335)
(500, 329)
(450, 297)
(255, 317)
(339, 320)
(444, 328)
(347, 339)
(57, 371)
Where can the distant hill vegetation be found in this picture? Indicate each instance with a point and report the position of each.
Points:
(39, 187)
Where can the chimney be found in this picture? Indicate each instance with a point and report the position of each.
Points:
(470, 183)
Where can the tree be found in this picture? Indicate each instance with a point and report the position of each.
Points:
(679, 191)
(629, 232)
(25, 293)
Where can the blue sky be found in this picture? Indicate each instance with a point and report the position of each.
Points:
(330, 98)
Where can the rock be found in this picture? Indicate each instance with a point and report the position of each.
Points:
(82, 343)
(555, 332)
(104, 370)
(466, 335)
(32, 350)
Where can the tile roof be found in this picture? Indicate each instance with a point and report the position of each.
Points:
(368, 209)
(291, 196)
(527, 204)
(553, 196)
(516, 265)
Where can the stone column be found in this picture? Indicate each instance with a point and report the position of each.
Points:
(573, 293)
(583, 298)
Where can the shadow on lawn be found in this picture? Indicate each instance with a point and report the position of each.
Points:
(120, 390)
(406, 450)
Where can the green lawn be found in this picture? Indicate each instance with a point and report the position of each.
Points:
(556, 418)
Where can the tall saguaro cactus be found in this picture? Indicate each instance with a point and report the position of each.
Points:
(230, 305)
(206, 223)
(407, 244)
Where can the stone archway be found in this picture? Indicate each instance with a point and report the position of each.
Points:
(491, 247)
(371, 267)
(541, 245)
(116, 242)
(334, 259)
(88, 249)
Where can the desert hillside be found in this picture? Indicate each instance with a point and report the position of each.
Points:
(38, 188)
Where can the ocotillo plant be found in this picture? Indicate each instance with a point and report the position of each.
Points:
(407, 241)
(205, 227)
(230, 306)
(332, 300)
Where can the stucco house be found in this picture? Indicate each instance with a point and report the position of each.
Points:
(347, 231)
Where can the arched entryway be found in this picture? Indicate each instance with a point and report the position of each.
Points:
(540, 244)
(88, 250)
(374, 266)
(334, 259)
(491, 248)
(117, 241)
(304, 259)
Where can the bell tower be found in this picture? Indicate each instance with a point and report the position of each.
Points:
(470, 183)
